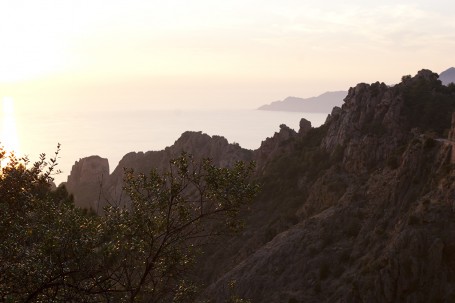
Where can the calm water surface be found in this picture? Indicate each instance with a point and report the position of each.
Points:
(112, 134)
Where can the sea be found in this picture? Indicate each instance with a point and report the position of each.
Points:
(112, 134)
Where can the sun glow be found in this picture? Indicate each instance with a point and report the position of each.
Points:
(9, 139)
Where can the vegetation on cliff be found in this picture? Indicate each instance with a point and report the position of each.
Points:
(429, 104)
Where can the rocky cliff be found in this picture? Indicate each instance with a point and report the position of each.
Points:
(370, 198)
(275, 146)
(87, 179)
(85, 184)
(361, 209)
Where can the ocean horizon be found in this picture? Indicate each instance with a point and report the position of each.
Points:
(112, 134)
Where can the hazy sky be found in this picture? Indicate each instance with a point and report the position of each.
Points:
(211, 53)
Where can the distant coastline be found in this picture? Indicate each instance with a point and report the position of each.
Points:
(320, 104)
(325, 102)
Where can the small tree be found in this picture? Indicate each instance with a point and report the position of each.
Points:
(51, 251)
(155, 238)
(46, 244)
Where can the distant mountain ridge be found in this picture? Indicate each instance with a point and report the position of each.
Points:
(320, 104)
(447, 76)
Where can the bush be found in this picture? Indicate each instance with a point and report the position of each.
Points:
(51, 251)
(429, 104)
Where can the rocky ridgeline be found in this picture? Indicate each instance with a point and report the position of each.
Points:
(93, 187)
(373, 123)
(368, 127)
(376, 224)
(361, 209)
(276, 145)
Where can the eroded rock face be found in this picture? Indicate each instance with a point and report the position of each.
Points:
(361, 209)
(305, 126)
(89, 171)
(272, 147)
(375, 225)
(368, 127)
(87, 177)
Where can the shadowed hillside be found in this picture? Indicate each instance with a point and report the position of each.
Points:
(360, 209)
(357, 210)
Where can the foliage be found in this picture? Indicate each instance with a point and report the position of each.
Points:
(51, 251)
(46, 244)
(170, 216)
(429, 104)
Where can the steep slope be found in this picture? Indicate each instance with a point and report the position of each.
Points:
(320, 104)
(361, 209)
(370, 200)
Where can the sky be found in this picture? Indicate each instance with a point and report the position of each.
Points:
(210, 54)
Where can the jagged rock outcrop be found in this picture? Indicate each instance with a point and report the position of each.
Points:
(198, 144)
(376, 218)
(304, 126)
(86, 180)
(272, 147)
(275, 146)
(368, 128)
(361, 209)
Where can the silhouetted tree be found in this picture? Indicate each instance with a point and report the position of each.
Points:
(51, 251)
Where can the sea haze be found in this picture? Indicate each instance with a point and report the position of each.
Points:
(112, 134)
